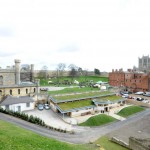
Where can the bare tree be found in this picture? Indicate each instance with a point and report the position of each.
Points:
(44, 72)
(61, 68)
(73, 70)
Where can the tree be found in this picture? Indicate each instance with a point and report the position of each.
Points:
(61, 68)
(96, 71)
(43, 72)
(73, 70)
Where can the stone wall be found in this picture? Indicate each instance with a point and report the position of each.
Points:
(139, 144)
(8, 78)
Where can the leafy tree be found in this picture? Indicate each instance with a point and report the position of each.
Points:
(96, 71)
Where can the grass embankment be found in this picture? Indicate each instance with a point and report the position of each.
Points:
(109, 145)
(16, 138)
(44, 82)
(98, 120)
(80, 95)
(125, 112)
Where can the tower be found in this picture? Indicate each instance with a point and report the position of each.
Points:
(32, 72)
(17, 71)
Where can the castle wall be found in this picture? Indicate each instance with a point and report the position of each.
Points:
(8, 78)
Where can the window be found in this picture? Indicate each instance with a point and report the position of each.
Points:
(18, 91)
(26, 91)
(27, 104)
(10, 92)
(0, 92)
(34, 90)
(1, 80)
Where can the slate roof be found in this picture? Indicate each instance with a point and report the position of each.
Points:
(16, 100)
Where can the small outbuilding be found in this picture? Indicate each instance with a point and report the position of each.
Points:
(22, 103)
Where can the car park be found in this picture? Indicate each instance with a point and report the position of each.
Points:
(40, 106)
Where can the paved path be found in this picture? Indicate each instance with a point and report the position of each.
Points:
(86, 134)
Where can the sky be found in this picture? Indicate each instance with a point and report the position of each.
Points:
(102, 34)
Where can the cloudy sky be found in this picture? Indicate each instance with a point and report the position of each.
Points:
(101, 34)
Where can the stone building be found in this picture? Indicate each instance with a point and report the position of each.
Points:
(131, 80)
(13, 81)
(144, 64)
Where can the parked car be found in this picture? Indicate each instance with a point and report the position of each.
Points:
(139, 93)
(125, 95)
(46, 106)
(139, 99)
(147, 94)
(40, 106)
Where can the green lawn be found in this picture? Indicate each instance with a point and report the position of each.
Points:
(109, 98)
(109, 145)
(73, 90)
(80, 95)
(98, 120)
(75, 104)
(16, 138)
(44, 82)
(13, 137)
(127, 111)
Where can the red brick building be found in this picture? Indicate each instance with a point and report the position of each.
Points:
(133, 81)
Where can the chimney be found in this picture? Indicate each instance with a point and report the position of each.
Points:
(32, 72)
(17, 71)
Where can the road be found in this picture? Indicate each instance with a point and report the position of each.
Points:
(86, 134)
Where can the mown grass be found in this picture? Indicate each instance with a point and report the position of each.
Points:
(80, 95)
(73, 90)
(109, 145)
(16, 138)
(127, 111)
(98, 120)
(13, 137)
(75, 104)
(110, 98)
(44, 82)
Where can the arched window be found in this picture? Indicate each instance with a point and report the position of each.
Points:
(26, 91)
(10, 92)
(18, 91)
(1, 80)
(34, 90)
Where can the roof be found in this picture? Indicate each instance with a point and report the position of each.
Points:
(16, 100)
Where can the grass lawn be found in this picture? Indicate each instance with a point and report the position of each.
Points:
(16, 138)
(127, 111)
(109, 145)
(110, 98)
(98, 120)
(44, 82)
(73, 90)
(80, 95)
(75, 104)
